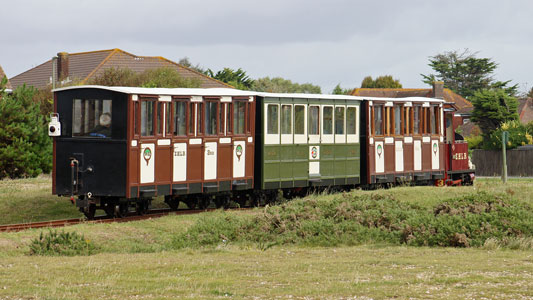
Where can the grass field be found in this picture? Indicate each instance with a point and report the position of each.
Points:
(137, 260)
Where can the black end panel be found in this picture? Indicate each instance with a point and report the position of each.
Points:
(259, 145)
(102, 161)
(102, 169)
(363, 134)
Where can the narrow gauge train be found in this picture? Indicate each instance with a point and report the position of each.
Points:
(118, 147)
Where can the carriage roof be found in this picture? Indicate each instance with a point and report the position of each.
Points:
(237, 93)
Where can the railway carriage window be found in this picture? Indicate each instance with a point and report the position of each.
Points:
(314, 120)
(397, 120)
(351, 123)
(229, 128)
(378, 120)
(180, 121)
(168, 118)
(239, 117)
(199, 110)
(327, 120)
(147, 118)
(432, 121)
(159, 118)
(339, 120)
(286, 119)
(91, 118)
(192, 113)
(221, 114)
(406, 117)
(299, 119)
(210, 118)
(416, 120)
(272, 119)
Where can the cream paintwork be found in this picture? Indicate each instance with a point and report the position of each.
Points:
(379, 157)
(147, 167)
(210, 160)
(239, 163)
(417, 152)
(179, 164)
(435, 154)
(398, 147)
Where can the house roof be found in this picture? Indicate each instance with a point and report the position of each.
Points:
(84, 66)
(2, 74)
(463, 105)
(525, 110)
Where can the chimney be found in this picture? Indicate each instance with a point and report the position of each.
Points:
(62, 65)
(438, 89)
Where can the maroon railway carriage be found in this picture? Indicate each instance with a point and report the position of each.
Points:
(406, 140)
(122, 145)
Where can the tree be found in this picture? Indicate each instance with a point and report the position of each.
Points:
(236, 78)
(464, 73)
(338, 90)
(381, 82)
(164, 77)
(281, 85)
(492, 108)
(25, 148)
(530, 93)
(186, 63)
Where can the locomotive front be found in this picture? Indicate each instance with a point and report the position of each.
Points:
(89, 130)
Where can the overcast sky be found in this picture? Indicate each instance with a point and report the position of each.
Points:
(320, 42)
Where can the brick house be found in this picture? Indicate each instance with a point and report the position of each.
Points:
(82, 67)
(463, 106)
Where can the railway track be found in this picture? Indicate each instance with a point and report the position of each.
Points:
(155, 213)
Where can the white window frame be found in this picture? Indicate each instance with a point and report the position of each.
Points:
(315, 138)
(340, 138)
(354, 138)
(271, 139)
(300, 138)
(286, 138)
(327, 138)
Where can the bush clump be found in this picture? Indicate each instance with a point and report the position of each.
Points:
(351, 219)
(61, 243)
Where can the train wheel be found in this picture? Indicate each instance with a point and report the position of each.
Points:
(121, 210)
(90, 211)
(191, 202)
(222, 201)
(172, 202)
(241, 199)
(204, 201)
(141, 207)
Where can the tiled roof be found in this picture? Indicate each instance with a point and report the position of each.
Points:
(2, 74)
(86, 65)
(463, 105)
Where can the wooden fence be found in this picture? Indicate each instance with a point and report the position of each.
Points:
(489, 162)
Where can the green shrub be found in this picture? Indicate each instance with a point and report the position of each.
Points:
(518, 136)
(350, 219)
(474, 141)
(25, 148)
(61, 244)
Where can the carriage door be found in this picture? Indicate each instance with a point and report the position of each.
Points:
(239, 145)
(211, 139)
(147, 143)
(314, 140)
